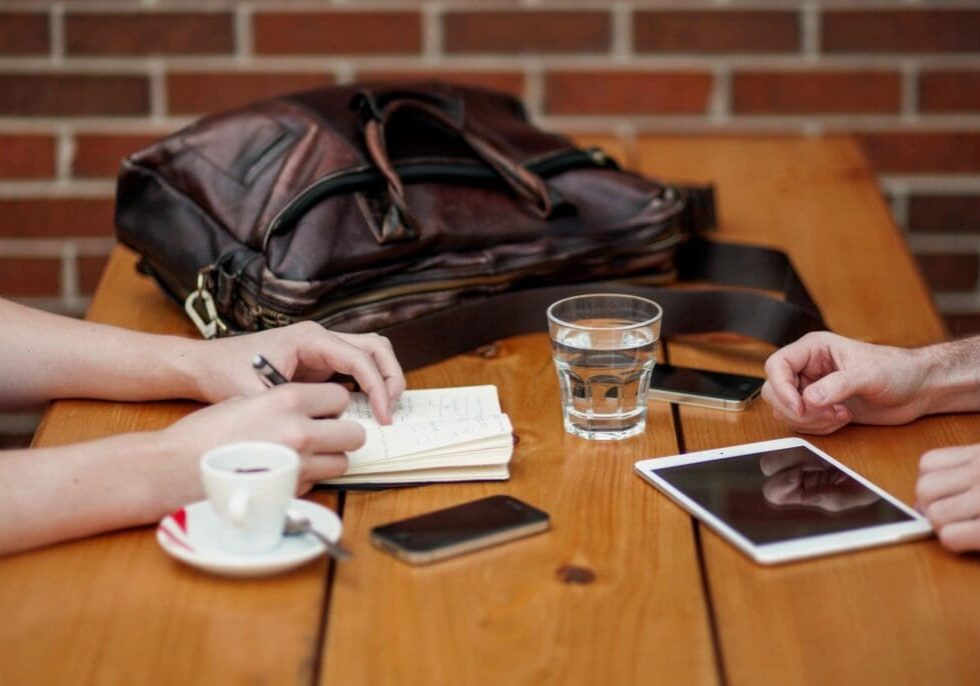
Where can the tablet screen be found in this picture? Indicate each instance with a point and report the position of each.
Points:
(780, 495)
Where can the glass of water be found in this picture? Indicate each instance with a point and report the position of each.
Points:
(604, 346)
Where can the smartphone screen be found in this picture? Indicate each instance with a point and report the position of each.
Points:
(459, 529)
(702, 387)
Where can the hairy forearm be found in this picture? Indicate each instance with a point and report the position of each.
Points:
(45, 356)
(56, 494)
(952, 376)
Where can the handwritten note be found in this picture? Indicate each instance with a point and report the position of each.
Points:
(431, 403)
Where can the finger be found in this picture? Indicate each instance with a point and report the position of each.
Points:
(330, 436)
(312, 400)
(942, 484)
(814, 421)
(359, 363)
(782, 385)
(384, 357)
(834, 388)
(961, 536)
(962, 507)
(316, 468)
(946, 458)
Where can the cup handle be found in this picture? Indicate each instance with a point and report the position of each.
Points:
(238, 506)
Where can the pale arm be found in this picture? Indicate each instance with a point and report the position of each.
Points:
(45, 356)
(56, 494)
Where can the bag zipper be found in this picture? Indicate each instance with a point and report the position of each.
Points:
(367, 177)
(279, 316)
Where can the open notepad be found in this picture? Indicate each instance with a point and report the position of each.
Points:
(441, 434)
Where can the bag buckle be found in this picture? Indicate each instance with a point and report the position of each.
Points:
(200, 307)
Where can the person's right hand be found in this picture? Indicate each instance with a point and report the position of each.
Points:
(948, 494)
(824, 381)
(301, 416)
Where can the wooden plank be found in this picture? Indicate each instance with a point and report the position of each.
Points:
(510, 614)
(114, 609)
(904, 614)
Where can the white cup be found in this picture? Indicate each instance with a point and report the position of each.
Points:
(250, 486)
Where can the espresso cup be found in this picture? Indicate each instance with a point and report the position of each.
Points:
(250, 486)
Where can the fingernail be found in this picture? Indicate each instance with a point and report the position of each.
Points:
(818, 396)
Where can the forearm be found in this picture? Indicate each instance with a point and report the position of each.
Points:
(56, 494)
(45, 356)
(952, 376)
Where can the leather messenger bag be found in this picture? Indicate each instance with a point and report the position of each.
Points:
(436, 215)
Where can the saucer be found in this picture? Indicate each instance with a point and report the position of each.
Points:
(190, 535)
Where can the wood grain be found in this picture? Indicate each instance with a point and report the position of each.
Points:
(903, 614)
(114, 609)
(508, 615)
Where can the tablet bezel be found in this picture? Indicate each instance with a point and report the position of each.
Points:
(796, 549)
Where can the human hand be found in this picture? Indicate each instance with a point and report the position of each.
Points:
(302, 352)
(948, 494)
(799, 478)
(824, 381)
(300, 416)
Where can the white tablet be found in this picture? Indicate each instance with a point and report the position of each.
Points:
(783, 500)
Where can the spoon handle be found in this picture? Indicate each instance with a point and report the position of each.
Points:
(334, 550)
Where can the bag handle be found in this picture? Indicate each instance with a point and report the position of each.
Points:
(376, 113)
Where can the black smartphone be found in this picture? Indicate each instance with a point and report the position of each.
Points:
(460, 529)
(705, 388)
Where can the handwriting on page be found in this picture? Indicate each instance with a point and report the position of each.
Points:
(439, 403)
(401, 440)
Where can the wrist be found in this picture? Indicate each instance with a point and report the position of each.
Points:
(951, 378)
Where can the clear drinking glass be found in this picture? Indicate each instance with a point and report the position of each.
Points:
(604, 347)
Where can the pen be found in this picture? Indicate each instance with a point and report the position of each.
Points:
(269, 374)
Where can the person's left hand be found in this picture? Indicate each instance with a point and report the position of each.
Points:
(948, 493)
(301, 352)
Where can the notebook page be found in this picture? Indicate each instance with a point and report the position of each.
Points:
(430, 403)
(410, 438)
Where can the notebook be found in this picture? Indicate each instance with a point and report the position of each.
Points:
(437, 434)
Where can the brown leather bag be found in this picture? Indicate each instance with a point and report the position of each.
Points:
(437, 215)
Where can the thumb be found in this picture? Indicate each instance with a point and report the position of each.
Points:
(834, 388)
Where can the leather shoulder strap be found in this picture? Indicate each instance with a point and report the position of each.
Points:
(484, 320)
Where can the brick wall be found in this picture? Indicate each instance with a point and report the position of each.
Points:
(83, 83)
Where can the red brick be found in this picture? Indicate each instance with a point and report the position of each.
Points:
(925, 152)
(902, 31)
(824, 92)
(600, 92)
(337, 33)
(26, 156)
(523, 31)
(24, 33)
(73, 95)
(30, 276)
(99, 155)
(949, 272)
(56, 217)
(949, 91)
(716, 31)
(147, 33)
(962, 325)
(506, 81)
(89, 272)
(944, 213)
(200, 93)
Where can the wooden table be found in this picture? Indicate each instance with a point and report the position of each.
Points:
(670, 602)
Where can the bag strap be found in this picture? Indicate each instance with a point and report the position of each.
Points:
(686, 311)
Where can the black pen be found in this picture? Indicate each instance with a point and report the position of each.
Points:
(269, 374)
